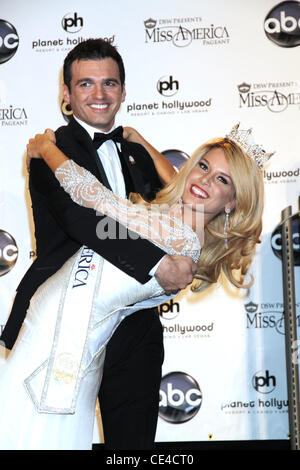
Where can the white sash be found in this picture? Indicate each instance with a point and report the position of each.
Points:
(54, 385)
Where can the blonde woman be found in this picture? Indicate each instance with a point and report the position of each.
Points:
(217, 198)
(242, 219)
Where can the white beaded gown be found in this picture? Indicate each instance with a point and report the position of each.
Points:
(50, 381)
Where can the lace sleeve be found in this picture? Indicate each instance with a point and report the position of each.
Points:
(167, 232)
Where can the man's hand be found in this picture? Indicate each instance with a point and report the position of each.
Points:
(175, 273)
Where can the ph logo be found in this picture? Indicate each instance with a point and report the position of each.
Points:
(263, 382)
(169, 310)
(180, 397)
(9, 41)
(72, 23)
(166, 86)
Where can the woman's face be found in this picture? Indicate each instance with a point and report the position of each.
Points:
(209, 187)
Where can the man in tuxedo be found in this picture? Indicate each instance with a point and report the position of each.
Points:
(94, 87)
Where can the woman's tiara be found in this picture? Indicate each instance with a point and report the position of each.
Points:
(243, 137)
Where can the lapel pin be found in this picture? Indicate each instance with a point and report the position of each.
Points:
(132, 160)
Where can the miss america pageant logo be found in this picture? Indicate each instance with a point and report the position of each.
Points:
(276, 97)
(13, 116)
(176, 32)
(266, 316)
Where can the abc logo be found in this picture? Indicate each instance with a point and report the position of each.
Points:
(8, 252)
(276, 240)
(282, 24)
(9, 41)
(263, 382)
(72, 23)
(180, 397)
(166, 86)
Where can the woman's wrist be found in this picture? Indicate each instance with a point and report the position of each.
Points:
(133, 136)
(46, 149)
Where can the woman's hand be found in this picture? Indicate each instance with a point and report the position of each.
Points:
(38, 145)
(163, 167)
(130, 134)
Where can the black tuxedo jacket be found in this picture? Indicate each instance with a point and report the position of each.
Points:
(62, 227)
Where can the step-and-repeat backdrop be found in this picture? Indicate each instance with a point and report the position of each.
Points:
(194, 69)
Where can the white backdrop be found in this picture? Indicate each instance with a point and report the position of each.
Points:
(194, 69)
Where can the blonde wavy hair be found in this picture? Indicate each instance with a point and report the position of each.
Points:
(245, 221)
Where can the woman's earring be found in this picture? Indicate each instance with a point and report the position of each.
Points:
(226, 226)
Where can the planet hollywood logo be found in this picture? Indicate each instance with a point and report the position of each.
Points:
(62, 44)
(169, 107)
(276, 240)
(281, 176)
(8, 252)
(255, 406)
(263, 382)
(169, 310)
(275, 97)
(13, 116)
(186, 331)
(180, 398)
(181, 32)
(71, 23)
(9, 41)
(167, 86)
(282, 24)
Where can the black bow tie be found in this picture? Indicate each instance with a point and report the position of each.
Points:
(116, 135)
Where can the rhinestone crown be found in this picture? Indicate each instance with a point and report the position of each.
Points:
(243, 137)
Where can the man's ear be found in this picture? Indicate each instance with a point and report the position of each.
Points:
(123, 93)
(66, 93)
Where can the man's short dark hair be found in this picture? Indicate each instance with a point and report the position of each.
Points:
(92, 49)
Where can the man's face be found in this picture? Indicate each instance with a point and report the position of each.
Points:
(96, 92)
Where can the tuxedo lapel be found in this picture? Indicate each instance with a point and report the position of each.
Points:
(92, 161)
(132, 175)
(127, 174)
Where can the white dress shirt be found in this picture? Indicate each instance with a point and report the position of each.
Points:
(110, 160)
